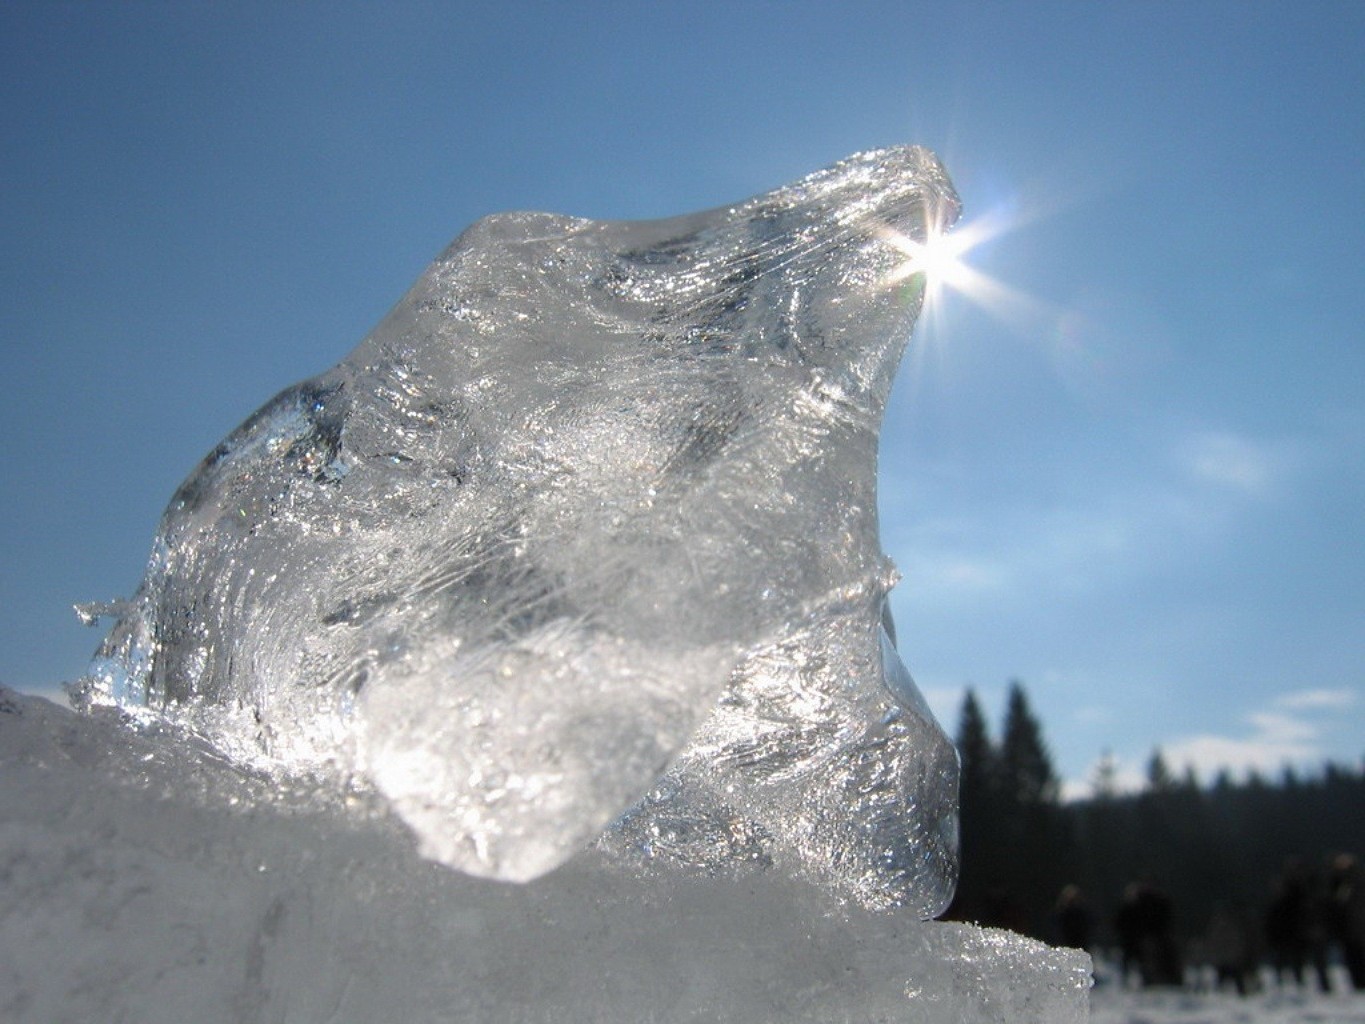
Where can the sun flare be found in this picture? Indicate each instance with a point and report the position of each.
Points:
(938, 257)
(941, 260)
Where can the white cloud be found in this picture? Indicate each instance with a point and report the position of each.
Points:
(954, 574)
(1287, 731)
(1308, 700)
(1092, 715)
(1279, 727)
(1103, 533)
(1020, 553)
(1209, 754)
(1283, 734)
(1231, 460)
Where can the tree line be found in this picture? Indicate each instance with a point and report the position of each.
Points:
(1221, 844)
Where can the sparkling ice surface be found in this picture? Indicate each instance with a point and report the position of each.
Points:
(580, 545)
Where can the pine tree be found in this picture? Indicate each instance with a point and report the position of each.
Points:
(1105, 784)
(976, 751)
(1159, 777)
(1035, 832)
(1026, 772)
(979, 834)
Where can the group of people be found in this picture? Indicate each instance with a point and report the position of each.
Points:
(1310, 917)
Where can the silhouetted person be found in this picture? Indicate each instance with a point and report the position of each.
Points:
(1231, 949)
(1346, 915)
(1073, 918)
(1146, 927)
(1295, 926)
(1128, 931)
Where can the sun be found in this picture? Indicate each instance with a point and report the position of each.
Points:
(938, 257)
(941, 256)
(941, 260)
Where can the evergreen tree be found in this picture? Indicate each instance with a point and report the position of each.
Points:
(976, 751)
(979, 839)
(1036, 832)
(1105, 784)
(1189, 782)
(1026, 772)
(1159, 777)
(1205, 846)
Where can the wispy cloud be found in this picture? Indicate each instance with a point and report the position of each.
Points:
(1273, 743)
(1021, 551)
(960, 574)
(1230, 460)
(1288, 731)
(1197, 491)
(1305, 700)
(1093, 548)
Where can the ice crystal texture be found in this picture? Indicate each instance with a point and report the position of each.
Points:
(585, 528)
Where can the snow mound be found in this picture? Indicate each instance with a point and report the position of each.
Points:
(148, 879)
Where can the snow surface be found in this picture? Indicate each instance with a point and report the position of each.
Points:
(147, 879)
(1112, 1005)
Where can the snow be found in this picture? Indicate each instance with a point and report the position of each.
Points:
(1112, 1005)
(147, 879)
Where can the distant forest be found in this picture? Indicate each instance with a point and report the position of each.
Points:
(1220, 844)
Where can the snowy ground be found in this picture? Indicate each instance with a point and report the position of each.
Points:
(143, 878)
(1112, 1005)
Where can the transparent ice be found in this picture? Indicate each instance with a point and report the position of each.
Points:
(580, 546)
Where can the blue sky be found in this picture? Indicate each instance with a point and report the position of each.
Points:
(1135, 484)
